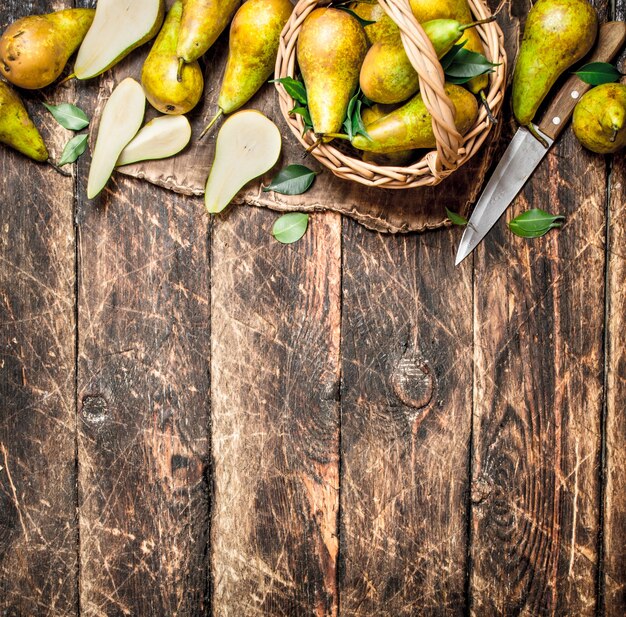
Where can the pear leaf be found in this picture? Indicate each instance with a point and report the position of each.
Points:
(292, 180)
(73, 149)
(290, 227)
(353, 124)
(448, 58)
(456, 219)
(535, 223)
(294, 88)
(363, 22)
(306, 116)
(68, 116)
(466, 65)
(597, 73)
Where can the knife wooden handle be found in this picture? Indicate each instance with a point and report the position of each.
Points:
(611, 37)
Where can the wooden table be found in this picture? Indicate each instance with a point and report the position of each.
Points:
(198, 420)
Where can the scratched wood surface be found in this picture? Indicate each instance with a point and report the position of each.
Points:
(196, 420)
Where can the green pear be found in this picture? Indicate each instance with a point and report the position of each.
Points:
(410, 126)
(165, 89)
(119, 26)
(253, 47)
(558, 33)
(387, 75)
(35, 49)
(16, 128)
(600, 119)
(330, 51)
(383, 27)
(202, 23)
(369, 115)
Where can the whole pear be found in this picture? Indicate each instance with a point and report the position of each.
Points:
(558, 33)
(35, 49)
(600, 119)
(159, 75)
(202, 23)
(395, 159)
(16, 128)
(253, 47)
(383, 27)
(410, 126)
(330, 51)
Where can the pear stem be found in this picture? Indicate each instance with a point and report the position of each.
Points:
(68, 78)
(56, 168)
(179, 74)
(337, 136)
(312, 147)
(487, 20)
(207, 128)
(485, 103)
(533, 131)
(613, 136)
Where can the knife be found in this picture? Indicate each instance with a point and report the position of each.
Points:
(525, 151)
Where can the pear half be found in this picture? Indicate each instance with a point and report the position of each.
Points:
(247, 146)
(161, 138)
(121, 119)
(119, 26)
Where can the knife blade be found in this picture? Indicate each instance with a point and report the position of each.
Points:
(525, 151)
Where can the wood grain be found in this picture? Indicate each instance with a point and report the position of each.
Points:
(275, 388)
(38, 529)
(538, 392)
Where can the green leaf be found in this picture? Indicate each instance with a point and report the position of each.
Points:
(363, 22)
(456, 219)
(73, 149)
(294, 87)
(290, 227)
(597, 73)
(535, 223)
(306, 116)
(447, 60)
(69, 116)
(292, 180)
(466, 65)
(353, 123)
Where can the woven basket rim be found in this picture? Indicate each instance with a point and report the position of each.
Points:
(453, 150)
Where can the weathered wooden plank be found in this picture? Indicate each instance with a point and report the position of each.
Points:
(539, 317)
(275, 388)
(406, 416)
(613, 582)
(143, 387)
(38, 530)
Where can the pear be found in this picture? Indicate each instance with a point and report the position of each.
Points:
(119, 26)
(202, 23)
(410, 126)
(121, 119)
(383, 27)
(599, 120)
(34, 50)
(16, 128)
(165, 89)
(558, 33)
(248, 144)
(161, 138)
(396, 159)
(331, 48)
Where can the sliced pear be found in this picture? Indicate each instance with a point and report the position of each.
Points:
(247, 146)
(161, 138)
(121, 119)
(119, 26)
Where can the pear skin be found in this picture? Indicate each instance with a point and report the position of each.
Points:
(331, 48)
(159, 76)
(558, 33)
(369, 115)
(202, 23)
(410, 126)
(383, 27)
(599, 120)
(34, 50)
(253, 47)
(16, 128)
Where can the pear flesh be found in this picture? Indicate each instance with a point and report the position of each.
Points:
(558, 33)
(16, 128)
(166, 89)
(410, 126)
(599, 120)
(119, 26)
(161, 138)
(35, 49)
(248, 144)
(121, 119)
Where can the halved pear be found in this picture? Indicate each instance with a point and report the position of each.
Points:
(161, 138)
(119, 26)
(247, 146)
(121, 119)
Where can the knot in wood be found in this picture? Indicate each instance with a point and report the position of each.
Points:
(95, 408)
(413, 380)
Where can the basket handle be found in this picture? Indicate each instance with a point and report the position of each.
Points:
(423, 57)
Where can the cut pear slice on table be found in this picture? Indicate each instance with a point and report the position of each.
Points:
(119, 26)
(161, 138)
(121, 119)
(248, 145)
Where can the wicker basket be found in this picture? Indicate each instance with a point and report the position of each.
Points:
(452, 149)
